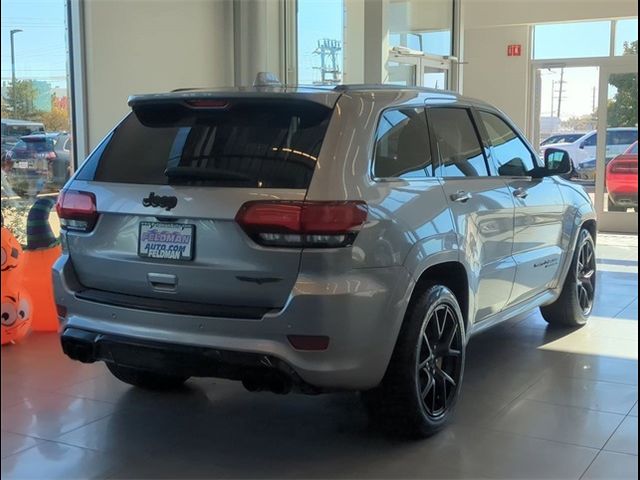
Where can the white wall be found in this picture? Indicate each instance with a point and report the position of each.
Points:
(493, 76)
(142, 46)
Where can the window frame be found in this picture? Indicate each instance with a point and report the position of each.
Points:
(372, 162)
(435, 153)
(535, 158)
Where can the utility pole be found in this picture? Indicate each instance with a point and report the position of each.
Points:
(13, 69)
(560, 91)
(328, 51)
(553, 93)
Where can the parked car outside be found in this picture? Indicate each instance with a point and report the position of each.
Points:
(584, 149)
(316, 240)
(12, 130)
(567, 137)
(39, 162)
(622, 181)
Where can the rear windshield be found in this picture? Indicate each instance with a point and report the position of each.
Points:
(250, 144)
(35, 145)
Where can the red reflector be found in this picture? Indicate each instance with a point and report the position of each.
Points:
(77, 210)
(62, 311)
(207, 103)
(309, 342)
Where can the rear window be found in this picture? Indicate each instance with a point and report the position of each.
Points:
(35, 145)
(250, 144)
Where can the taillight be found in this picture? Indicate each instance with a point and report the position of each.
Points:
(50, 155)
(625, 168)
(302, 224)
(77, 210)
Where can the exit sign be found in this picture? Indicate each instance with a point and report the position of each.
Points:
(514, 50)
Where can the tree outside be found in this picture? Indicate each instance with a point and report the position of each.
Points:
(55, 120)
(623, 108)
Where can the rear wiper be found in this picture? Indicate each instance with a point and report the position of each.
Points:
(204, 174)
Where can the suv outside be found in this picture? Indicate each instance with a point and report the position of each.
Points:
(39, 162)
(583, 149)
(316, 240)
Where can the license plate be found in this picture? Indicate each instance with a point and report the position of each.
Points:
(167, 241)
(23, 165)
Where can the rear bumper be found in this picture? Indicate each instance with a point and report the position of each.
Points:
(361, 313)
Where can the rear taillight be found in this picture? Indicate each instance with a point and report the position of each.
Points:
(302, 224)
(77, 210)
(50, 155)
(625, 168)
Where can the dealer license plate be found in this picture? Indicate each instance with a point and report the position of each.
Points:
(168, 241)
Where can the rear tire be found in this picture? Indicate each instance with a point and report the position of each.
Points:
(145, 378)
(419, 391)
(575, 304)
(612, 207)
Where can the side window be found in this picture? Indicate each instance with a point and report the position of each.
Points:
(590, 141)
(402, 145)
(621, 137)
(457, 143)
(512, 156)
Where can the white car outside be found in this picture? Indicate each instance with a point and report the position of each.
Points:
(584, 149)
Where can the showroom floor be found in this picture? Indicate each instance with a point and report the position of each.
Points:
(537, 403)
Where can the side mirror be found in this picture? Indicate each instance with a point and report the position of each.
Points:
(557, 162)
(581, 147)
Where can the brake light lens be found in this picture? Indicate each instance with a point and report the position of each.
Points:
(303, 224)
(207, 103)
(50, 155)
(77, 210)
(625, 167)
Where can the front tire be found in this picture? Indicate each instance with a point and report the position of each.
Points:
(575, 304)
(146, 379)
(420, 389)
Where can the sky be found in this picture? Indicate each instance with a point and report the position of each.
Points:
(41, 48)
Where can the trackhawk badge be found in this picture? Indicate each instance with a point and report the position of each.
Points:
(154, 200)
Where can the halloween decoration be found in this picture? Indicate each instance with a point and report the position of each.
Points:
(42, 250)
(16, 307)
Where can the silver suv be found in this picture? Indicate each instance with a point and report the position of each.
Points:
(316, 240)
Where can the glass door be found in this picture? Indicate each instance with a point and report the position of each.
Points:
(616, 148)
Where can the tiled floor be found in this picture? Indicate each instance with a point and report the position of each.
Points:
(537, 403)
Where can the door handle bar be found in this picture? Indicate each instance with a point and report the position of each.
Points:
(461, 196)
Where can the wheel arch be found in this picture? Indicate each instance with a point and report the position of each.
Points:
(451, 274)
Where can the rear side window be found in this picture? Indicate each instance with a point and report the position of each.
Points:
(512, 156)
(622, 137)
(402, 145)
(247, 144)
(457, 143)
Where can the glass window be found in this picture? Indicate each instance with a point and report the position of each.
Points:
(457, 143)
(581, 39)
(422, 26)
(626, 35)
(511, 155)
(402, 145)
(320, 42)
(622, 137)
(590, 141)
(35, 108)
(245, 145)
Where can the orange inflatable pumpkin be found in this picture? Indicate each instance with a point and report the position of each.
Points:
(16, 307)
(42, 250)
(16, 318)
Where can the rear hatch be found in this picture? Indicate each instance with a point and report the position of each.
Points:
(168, 184)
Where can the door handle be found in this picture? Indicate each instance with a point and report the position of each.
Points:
(520, 193)
(162, 282)
(461, 196)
